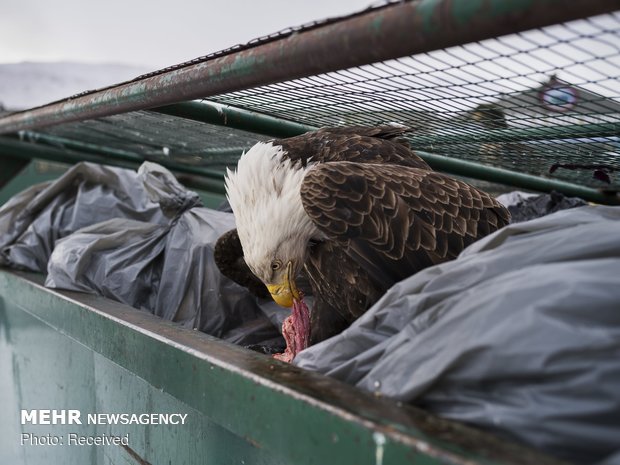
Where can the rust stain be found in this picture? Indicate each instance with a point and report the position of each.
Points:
(134, 455)
(377, 35)
(253, 442)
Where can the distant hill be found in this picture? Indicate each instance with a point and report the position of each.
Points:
(25, 85)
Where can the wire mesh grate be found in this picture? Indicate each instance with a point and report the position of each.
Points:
(545, 102)
(151, 136)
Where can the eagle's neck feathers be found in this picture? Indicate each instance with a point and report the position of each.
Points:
(264, 194)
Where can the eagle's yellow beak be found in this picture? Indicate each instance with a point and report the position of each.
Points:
(285, 292)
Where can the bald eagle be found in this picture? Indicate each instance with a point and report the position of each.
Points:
(353, 210)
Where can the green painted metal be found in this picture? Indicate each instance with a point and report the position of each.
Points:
(391, 31)
(238, 118)
(85, 147)
(11, 167)
(96, 355)
(36, 172)
(463, 135)
(43, 368)
(211, 179)
(133, 157)
(452, 165)
(241, 119)
(512, 178)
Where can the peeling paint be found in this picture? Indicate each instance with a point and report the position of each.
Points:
(466, 12)
(376, 24)
(399, 29)
(134, 455)
(379, 439)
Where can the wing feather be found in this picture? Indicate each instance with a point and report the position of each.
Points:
(382, 144)
(397, 218)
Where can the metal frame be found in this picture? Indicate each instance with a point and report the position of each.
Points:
(378, 34)
(238, 118)
(520, 180)
(329, 422)
(298, 416)
(396, 30)
(12, 166)
(12, 148)
(212, 179)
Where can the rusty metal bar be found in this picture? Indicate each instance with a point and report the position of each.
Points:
(397, 30)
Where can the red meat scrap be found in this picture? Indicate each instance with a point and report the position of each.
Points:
(296, 331)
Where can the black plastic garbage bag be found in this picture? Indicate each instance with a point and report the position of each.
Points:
(520, 335)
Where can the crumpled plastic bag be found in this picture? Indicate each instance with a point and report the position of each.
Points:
(525, 206)
(117, 258)
(32, 221)
(519, 335)
(136, 237)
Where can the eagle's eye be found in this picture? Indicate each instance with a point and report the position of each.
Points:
(276, 265)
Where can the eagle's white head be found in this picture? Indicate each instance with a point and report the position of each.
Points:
(273, 227)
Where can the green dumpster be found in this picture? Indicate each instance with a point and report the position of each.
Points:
(85, 379)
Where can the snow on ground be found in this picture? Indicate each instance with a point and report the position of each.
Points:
(26, 85)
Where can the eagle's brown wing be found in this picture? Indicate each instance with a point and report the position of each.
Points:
(228, 256)
(397, 220)
(393, 132)
(382, 144)
(343, 290)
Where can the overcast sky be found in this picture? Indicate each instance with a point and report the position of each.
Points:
(153, 34)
